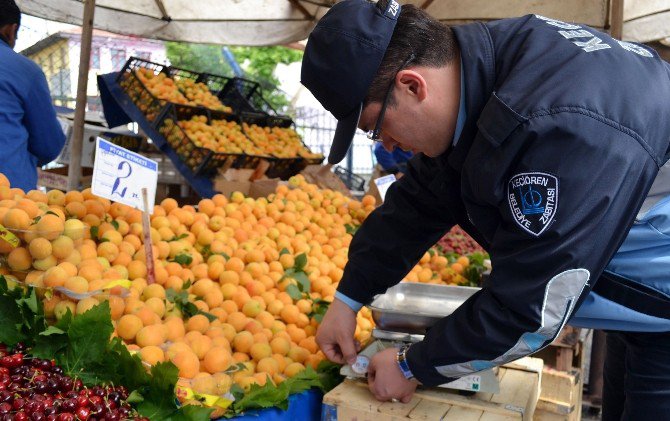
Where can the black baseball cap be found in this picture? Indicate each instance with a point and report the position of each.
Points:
(342, 56)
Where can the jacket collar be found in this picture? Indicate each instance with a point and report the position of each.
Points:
(477, 56)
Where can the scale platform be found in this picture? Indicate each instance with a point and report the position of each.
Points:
(483, 381)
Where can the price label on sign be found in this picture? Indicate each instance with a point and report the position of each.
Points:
(120, 175)
(383, 184)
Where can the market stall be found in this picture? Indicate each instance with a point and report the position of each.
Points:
(241, 281)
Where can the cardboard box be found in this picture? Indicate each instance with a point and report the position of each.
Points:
(263, 188)
(234, 180)
(56, 178)
(322, 176)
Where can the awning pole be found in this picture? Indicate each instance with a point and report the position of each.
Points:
(74, 172)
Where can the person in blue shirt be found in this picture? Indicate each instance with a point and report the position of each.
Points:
(520, 140)
(30, 135)
(392, 162)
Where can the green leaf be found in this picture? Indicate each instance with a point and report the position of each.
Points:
(88, 336)
(304, 380)
(265, 396)
(209, 316)
(178, 237)
(329, 375)
(186, 285)
(183, 259)
(303, 281)
(10, 322)
(135, 397)
(300, 262)
(115, 224)
(129, 368)
(351, 228)
(293, 292)
(21, 314)
(284, 251)
(52, 330)
(170, 294)
(94, 231)
(159, 402)
(192, 413)
(225, 256)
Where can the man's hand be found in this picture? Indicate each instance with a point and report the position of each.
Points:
(336, 333)
(385, 379)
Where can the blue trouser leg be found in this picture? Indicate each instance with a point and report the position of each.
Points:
(636, 383)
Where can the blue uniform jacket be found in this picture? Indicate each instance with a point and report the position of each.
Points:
(566, 131)
(30, 134)
(392, 162)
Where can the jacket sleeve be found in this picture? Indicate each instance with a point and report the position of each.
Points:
(602, 173)
(384, 158)
(46, 137)
(394, 236)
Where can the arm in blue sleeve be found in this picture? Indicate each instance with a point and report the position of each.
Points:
(384, 158)
(353, 304)
(46, 137)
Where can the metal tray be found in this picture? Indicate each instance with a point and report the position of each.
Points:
(413, 307)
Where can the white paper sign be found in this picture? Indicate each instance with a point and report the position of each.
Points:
(383, 184)
(119, 175)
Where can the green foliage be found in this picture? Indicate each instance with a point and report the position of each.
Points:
(198, 57)
(156, 401)
(183, 259)
(259, 64)
(187, 308)
(21, 314)
(325, 378)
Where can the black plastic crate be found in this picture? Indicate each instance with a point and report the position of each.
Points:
(245, 95)
(132, 143)
(201, 160)
(352, 181)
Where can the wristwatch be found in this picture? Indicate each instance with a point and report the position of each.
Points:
(401, 359)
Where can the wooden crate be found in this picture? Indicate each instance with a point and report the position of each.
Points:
(519, 392)
(565, 352)
(561, 394)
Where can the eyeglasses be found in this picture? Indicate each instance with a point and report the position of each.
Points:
(374, 134)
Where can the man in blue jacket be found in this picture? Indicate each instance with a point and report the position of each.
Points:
(541, 139)
(392, 162)
(30, 135)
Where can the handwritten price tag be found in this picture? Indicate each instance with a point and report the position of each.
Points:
(119, 175)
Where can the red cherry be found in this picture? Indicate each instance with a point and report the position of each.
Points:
(83, 414)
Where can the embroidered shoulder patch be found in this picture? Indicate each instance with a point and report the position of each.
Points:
(533, 199)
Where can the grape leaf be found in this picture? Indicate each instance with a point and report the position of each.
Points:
(10, 322)
(156, 400)
(266, 396)
(21, 314)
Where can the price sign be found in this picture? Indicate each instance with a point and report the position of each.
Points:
(383, 184)
(120, 175)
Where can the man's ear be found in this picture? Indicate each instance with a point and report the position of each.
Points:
(413, 83)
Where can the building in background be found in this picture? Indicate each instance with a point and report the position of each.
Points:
(58, 56)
